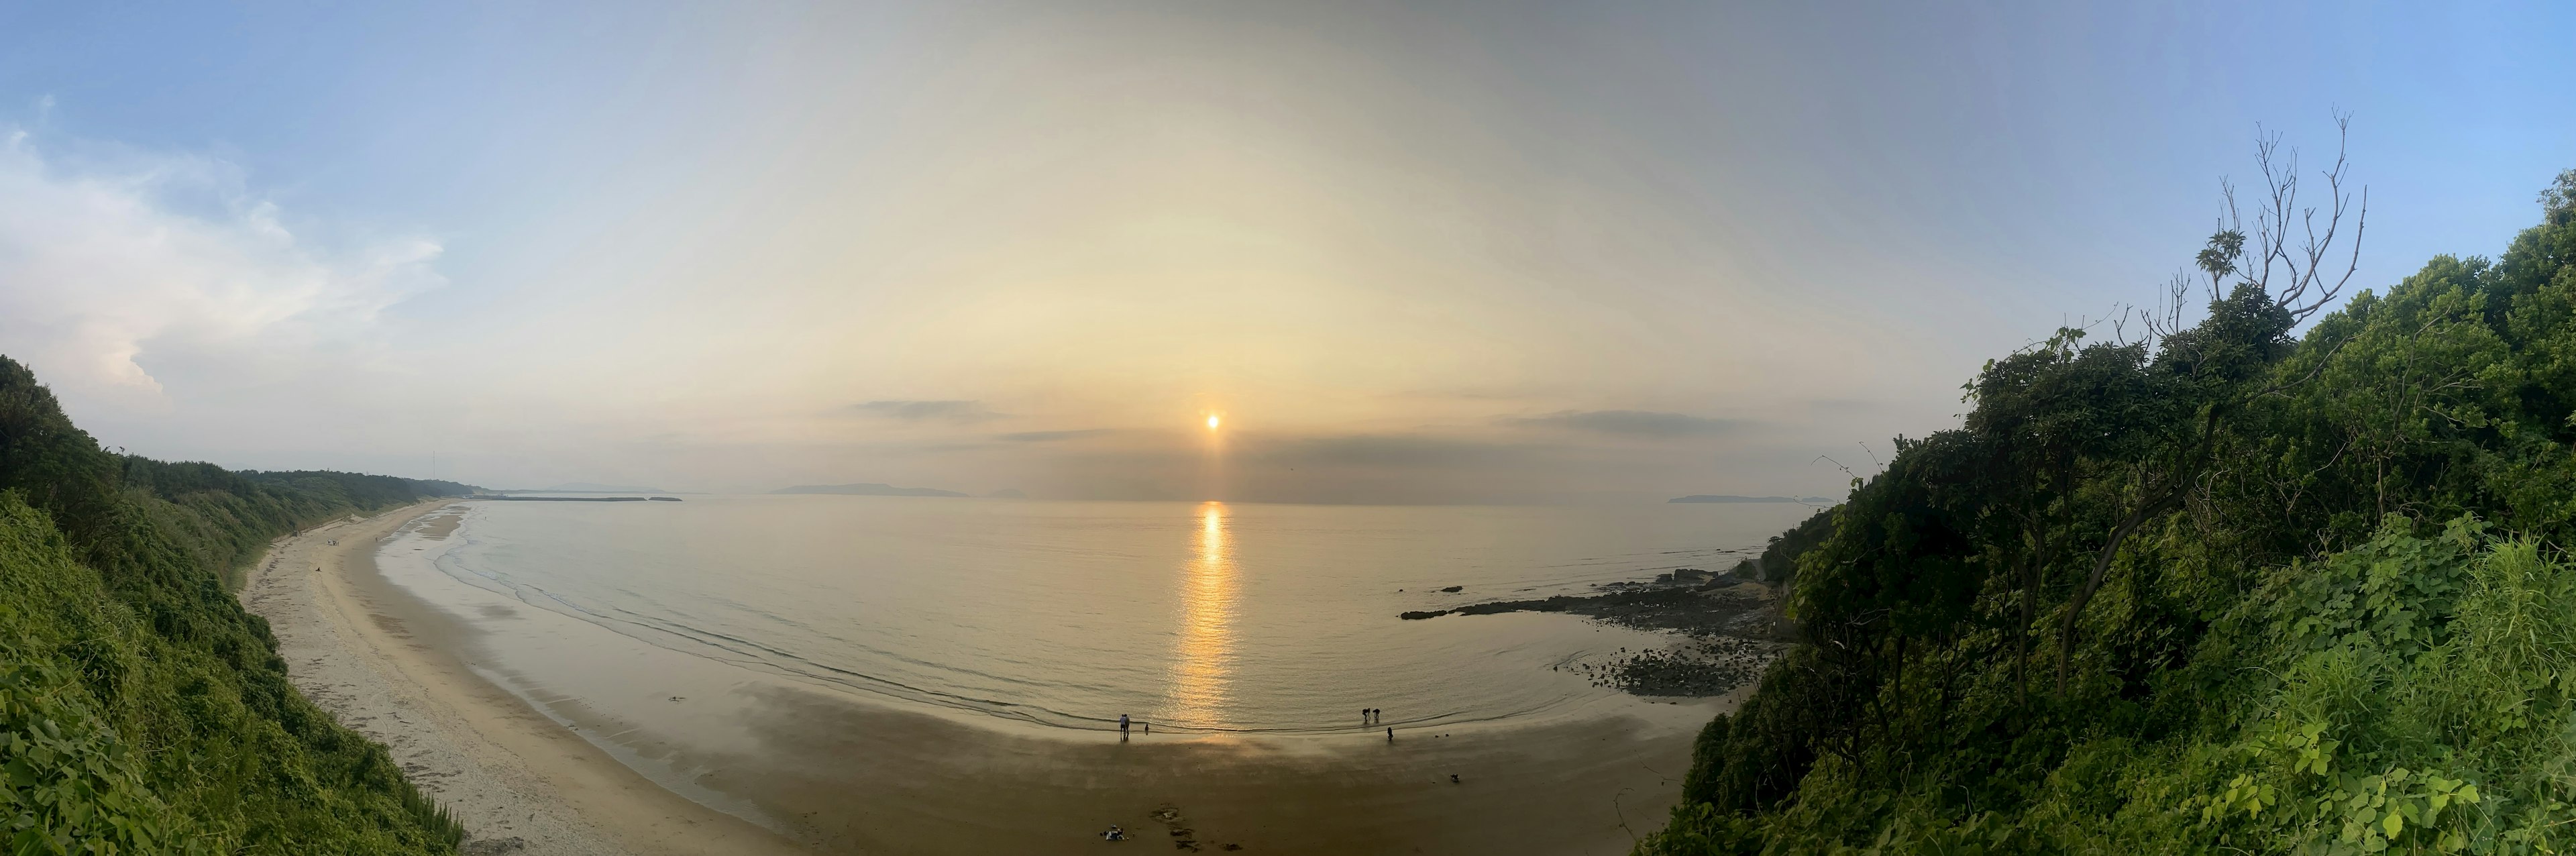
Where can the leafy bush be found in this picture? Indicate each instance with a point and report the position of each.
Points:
(141, 709)
(2301, 595)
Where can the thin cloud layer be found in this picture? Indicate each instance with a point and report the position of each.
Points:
(1388, 451)
(928, 411)
(1630, 423)
(1052, 436)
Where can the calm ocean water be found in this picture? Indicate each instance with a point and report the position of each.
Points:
(1194, 616)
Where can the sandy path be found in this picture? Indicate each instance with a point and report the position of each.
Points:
(517, 780)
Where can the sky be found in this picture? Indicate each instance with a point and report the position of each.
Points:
(1410, 253)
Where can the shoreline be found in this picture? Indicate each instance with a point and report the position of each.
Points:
(522, 761)
(515, 779)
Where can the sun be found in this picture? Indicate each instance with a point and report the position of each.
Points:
(1212, 421)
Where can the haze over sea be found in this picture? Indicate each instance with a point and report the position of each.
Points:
(1196, 617)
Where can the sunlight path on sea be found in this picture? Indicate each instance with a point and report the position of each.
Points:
(1202, 672)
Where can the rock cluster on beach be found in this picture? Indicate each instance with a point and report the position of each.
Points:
(1703, 667)
(1731, 630)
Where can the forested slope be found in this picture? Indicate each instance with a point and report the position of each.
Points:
(141, 709)
(2216, 588)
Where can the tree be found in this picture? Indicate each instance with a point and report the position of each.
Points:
(2213, 369)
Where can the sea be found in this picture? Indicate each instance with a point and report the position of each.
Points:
(1045, 616)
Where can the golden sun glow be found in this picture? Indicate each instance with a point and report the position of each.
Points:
(1212, 421)
(1202, 671)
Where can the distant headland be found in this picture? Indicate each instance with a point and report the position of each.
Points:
(1714, 498)
(870, 489)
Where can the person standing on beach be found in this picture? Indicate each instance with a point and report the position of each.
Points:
(1122, 723)
(1390, 735)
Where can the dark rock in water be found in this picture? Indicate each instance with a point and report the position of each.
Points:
(1731, 635)
(1418, 615)
(1702, 497)
(594, 487)
(663, 498)
(561, 499)
(1455, 589)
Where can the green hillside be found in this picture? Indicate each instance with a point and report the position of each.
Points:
(2219, 589)
(141, 709)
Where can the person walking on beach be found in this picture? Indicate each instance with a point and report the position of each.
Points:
(1390, 735)
(1122, 723)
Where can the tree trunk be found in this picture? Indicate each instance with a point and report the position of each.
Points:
(2093, 583)
(2021, 637)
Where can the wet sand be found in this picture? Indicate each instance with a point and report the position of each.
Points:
(819, 770)
(904, 784)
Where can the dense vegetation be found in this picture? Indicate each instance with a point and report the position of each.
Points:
(2217, 587)
(141, 709)
(1778, 561)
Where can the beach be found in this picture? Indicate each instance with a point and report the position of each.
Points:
(805, 768)
(518, 781)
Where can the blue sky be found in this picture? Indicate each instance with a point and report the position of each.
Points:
(1410, 249)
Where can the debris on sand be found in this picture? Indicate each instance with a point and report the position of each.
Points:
(1183, 837)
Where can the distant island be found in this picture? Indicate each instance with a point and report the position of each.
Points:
(1711, 498)
(870, 489)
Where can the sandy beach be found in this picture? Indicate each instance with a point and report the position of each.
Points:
(518, 781)
(809, 769)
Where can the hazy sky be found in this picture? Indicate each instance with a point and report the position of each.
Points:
(1412, 253)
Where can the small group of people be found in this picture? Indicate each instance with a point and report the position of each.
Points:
(1374, 716)
(1123, 723)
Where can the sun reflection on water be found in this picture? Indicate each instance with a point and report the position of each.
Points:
(1202, 674)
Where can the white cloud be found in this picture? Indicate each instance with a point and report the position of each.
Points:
(105, 270)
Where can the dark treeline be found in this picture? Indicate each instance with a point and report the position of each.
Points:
(142, 710)
(2206, 587)
(1779, 560)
